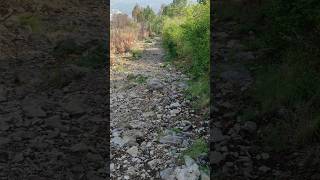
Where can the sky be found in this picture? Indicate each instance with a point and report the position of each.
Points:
(126, 6)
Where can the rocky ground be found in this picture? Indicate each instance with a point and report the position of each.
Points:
(233, 152)
(236, 151)
(53, 99)
(152, 121)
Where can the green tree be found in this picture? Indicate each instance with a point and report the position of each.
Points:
(135, 12)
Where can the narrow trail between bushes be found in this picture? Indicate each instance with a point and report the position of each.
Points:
(151, 121)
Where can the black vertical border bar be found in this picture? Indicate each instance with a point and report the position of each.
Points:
(212, 85)
(107, 68)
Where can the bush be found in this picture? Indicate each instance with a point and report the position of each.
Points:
(290, 81)
(186, 39)
(295, 21)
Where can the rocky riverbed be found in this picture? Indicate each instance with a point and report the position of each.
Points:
(152, 123)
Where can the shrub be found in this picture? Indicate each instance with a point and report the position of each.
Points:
(186, 39)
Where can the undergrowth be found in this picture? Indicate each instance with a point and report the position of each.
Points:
(286, 93)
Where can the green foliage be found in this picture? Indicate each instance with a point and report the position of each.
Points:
(94, 57)
(198, 92)
(175, 8)
(176, 130)
(32, 21)
(291, 80)
(188, 36)
(198, 148)
(140, 79)
(186, 39)
(136, 53)
(295, 21)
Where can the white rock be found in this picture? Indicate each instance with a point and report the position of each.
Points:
(133, 151)
(189, 173)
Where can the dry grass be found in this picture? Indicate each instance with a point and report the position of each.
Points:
(122, 40)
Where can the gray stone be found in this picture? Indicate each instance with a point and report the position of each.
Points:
(80, 147)
(204, 176)
(190, 173)
(55, 122)
(33, 109)
(265, 156)
(74, 105)
(118, 141)
(216, 135)
(216, 157)
(3, 94)
(171, 139)
(264, 169)
(167, 174)
(133, 151)
(4, 141)
(188, 161)
(94, 157)
(153, 163)
(250, 126)
(175, 105)
(155, 84)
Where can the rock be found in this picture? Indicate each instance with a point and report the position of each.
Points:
(32, 108)
(235, 74)
(171, 139)
(174, 112)
(190, 173)
(216, 157)
(154, 84)
(55, 122)
(265, 156)
(221, 34)
(92, 176)
(18, 157)
(188, 161)
(153, 163)
(264, 169)
(4, 157)
(94, 157)
(74, 105)
(130, 140)
(250, 126)
(4, 125)
(80, 147)
(247, 56)
(216, 135)
(133, 151)
(148, 114)
(204, 176)
(75, 72)
(66, 47)
(175, 105)
(167, 174)
(118, 141)
(3, 94)
(112, 167)
(4, 141)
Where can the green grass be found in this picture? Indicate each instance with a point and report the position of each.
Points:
(198, 92)
(121, 68)
(148, 40)
(290, 85)
(197, 148)
(140, 79)
(176, 130)
(136, 53)
(34, 22)
(93, 57)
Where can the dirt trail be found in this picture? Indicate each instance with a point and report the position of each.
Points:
(151, 121)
